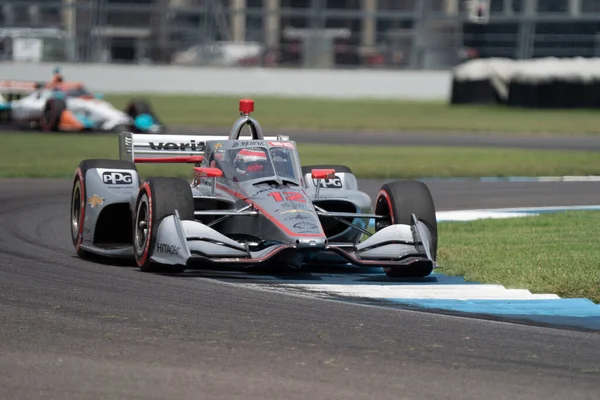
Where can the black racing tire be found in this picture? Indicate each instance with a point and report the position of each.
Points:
(158, 198)
(397, 201)
(50, 118)
(306, 169)
(137, 107)
(79, 193)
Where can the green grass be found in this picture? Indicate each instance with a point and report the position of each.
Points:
(368, 115)
(552, 253)
(57, 155)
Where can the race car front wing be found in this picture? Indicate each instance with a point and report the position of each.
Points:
(196, 245)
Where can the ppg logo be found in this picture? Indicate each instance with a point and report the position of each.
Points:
(117, 178)
(329, 183)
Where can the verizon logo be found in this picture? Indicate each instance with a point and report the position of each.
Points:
(192, 145)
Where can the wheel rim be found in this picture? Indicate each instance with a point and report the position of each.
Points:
(141, 226)
(76, 210)
(47, 118)
(382, 208)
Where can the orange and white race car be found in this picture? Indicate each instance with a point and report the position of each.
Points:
(59, 105)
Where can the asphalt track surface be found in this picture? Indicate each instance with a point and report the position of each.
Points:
(86, 330)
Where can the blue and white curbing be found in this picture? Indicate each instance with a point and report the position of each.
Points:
(439, 292)
(497, 213)
(566, 178)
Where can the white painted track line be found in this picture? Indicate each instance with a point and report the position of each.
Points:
(446, 292)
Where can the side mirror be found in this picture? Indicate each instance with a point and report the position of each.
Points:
(323, 173)
(319, 174)
(207, 172)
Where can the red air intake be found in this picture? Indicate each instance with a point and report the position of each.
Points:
(246, 106)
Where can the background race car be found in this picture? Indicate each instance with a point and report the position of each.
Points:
(68, 106)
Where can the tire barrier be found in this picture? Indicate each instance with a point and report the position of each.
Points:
(540, 83)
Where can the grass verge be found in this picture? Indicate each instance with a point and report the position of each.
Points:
(551, 253)
(56, 155)
(367, 115)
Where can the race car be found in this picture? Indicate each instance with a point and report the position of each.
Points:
(247, 203)
(59, 105)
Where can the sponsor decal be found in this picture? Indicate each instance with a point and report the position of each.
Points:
(287, 145)
(298, 217)
(117, 178)
(335, 183)
(263, 191)
(247, 143)
(295, 211)
(218, 146)
(95, 201)
(298, 206)
(167, 248)
(306, 226)
(192, 145)
(290, 207)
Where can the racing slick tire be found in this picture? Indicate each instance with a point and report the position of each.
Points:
(158, 198)
(50, 119)
(398, 200)
(140, 107)
(306, 169)
(78, 197)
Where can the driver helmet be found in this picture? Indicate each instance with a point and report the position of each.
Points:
(250, 160)
(57, 79)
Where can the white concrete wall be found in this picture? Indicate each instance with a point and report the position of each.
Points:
(110, 78)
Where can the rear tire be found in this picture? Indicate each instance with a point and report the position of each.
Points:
(158, 198)
(50, 119)
(397, 201)
(138, 107)
(78, 197)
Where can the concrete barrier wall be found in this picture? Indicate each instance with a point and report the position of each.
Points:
(110, 78)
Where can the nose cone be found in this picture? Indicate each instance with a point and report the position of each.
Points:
(291, 212)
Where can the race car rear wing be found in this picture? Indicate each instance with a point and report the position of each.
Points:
(144, 148)
(19, 87)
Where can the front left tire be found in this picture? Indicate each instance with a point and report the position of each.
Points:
(396, 202)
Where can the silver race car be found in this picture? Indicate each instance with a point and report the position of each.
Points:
(58, 105)
(249, 203)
